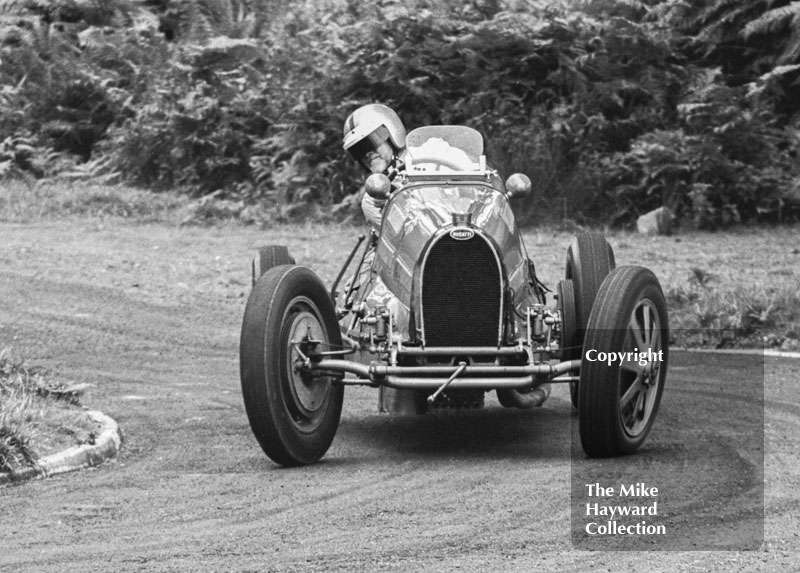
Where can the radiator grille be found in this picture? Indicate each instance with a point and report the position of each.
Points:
(461, 290)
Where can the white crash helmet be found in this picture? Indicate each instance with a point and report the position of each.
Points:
(369, 126)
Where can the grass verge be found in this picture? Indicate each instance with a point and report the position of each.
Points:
(21, 202)
(725, 290)
(38, 415)
(736, 288)
(731, 289)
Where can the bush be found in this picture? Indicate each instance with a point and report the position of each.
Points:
(724, 163)
(601, 102)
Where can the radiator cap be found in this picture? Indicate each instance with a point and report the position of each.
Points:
(461, 219)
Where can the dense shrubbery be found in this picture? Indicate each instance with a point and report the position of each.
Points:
(612, 107)
(721, 162)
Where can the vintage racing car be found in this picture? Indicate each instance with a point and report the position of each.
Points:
(442, 306)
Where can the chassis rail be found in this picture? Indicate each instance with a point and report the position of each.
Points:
(458, 350)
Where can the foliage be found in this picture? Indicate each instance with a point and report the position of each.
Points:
(610, 105)
(722, 163)
(757, 41)
(37, 414)
(18, 390)
(65, 83)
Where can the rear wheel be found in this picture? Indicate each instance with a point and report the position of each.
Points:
(293, 414)
(269, 257)
(589, 260)
(619, 400)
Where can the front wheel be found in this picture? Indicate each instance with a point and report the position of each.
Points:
(624, 364)
(293, 413)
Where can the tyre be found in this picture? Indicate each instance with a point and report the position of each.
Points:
(589, 260)
(269, 257)
(293, 415)
(618, 402)
(570, 348)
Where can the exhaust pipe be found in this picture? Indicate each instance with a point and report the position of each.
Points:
(511, 397)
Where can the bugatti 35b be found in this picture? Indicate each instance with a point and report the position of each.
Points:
(443, 305)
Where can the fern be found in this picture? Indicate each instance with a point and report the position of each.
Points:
(792, 52)
(779, 21)
(11, 9)
(198, 20)
(773, 20)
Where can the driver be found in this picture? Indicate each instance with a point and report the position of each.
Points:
(375, 137)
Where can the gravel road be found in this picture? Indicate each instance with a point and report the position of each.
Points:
(150, 316)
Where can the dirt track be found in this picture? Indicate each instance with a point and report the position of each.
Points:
(151, 317)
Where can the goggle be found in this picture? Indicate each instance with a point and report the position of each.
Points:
(369, 143)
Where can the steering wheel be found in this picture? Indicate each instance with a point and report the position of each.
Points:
(440, 161)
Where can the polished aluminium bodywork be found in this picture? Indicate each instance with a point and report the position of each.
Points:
(423, 212)
(452, 217)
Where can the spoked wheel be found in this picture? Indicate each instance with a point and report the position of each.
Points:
(293, 413)
(269, 257)
(570, 347)
(589, 260)
(619, 401)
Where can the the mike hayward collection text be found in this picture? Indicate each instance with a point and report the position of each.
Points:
(605, 518)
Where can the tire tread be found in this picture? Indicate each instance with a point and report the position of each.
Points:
(263, 312)
(597, 393)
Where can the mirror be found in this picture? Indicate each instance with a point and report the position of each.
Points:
(518, 185)
(378, 186)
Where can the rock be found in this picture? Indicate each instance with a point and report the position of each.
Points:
(790, 345)
(656, 222)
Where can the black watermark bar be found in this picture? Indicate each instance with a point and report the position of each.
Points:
(697, 480)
